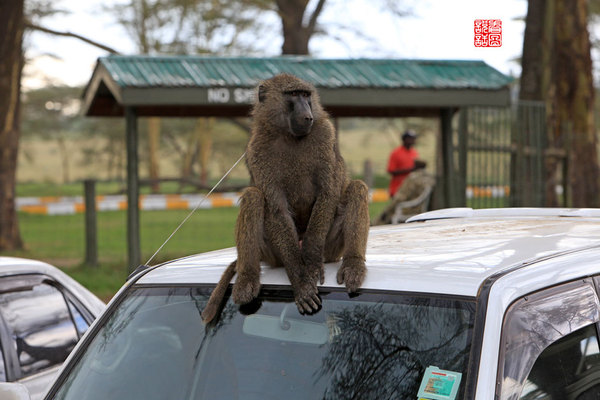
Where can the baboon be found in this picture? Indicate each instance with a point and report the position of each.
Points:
(300, 208)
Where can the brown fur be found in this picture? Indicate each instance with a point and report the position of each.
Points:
(299, 193)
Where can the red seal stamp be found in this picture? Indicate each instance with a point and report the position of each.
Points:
(488, 32)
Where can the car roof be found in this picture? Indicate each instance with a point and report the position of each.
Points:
(451, 252)
(16, 265)
(10, 266)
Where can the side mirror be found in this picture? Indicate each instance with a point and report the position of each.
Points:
(13, 391)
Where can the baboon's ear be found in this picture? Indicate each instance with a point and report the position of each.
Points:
(262, 93)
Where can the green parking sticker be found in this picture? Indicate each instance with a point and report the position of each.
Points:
(438, 384)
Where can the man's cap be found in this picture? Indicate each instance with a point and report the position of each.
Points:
(409, 133)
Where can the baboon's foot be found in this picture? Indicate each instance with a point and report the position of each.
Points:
(352, 273)
(245, 289)
(307, 298)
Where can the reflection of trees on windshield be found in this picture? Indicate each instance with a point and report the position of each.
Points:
(117, 323)
(381, 351)
(200, 299)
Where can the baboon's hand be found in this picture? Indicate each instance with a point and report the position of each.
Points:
(352, 273)
(307, 298)
(245, 288)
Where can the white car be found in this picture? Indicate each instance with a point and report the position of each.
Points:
(43, 313)
(457, 304)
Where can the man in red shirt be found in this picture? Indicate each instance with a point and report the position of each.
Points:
(403, 161)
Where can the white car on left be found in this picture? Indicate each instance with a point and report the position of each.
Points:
(43, 314)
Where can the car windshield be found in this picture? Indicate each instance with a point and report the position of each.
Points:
(371, 346)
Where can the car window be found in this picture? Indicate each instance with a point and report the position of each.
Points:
(373, 346)
(2, 369)
(568, 369)
(40, 324)
(80, 323)
(535, 322)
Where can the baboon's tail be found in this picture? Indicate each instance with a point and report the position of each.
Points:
(217, 295)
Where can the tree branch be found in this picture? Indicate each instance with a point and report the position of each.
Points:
(30, 25)
(313, 18)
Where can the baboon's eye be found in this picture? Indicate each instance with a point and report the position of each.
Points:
(290, 105)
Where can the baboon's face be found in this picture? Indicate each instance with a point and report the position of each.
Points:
(288, 105)
(300, 116)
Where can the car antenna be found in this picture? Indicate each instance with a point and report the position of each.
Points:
(191, 212)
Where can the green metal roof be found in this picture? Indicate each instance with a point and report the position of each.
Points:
(151, 83)
(143, 71)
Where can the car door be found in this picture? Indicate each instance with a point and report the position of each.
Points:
(549, 346)
(40, 324)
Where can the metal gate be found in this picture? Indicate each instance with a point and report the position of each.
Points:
(499, 156)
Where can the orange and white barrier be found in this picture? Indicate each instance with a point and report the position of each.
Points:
(75, 204)
(487, 191)
(72, 205)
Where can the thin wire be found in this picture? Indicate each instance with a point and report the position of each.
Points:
(195, 208)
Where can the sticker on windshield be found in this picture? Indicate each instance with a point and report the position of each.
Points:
(438, 384)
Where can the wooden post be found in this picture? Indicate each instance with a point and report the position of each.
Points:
(91, 230)
(448, 157)
(463, 149)
(153, 149)
(133, 192)
(566, 161)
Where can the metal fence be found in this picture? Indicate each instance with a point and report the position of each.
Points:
(500, 156)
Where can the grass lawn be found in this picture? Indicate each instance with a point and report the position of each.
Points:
(60, 241)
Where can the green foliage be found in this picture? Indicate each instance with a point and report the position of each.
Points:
(104, 281)
(35, 10)
(193, 26)
(206, 230)
(57, 239)
(41, 189)
(375, 209)
(54, 110)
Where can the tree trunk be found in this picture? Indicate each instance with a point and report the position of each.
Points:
(575, 100)
(189, 155)
(295, 40)
(537, 84)
(143, 15)
(204, 144)
(64, 157)
(11, 64)
(534, 47)
(297, 33)
(557, 69)
(153, 145)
